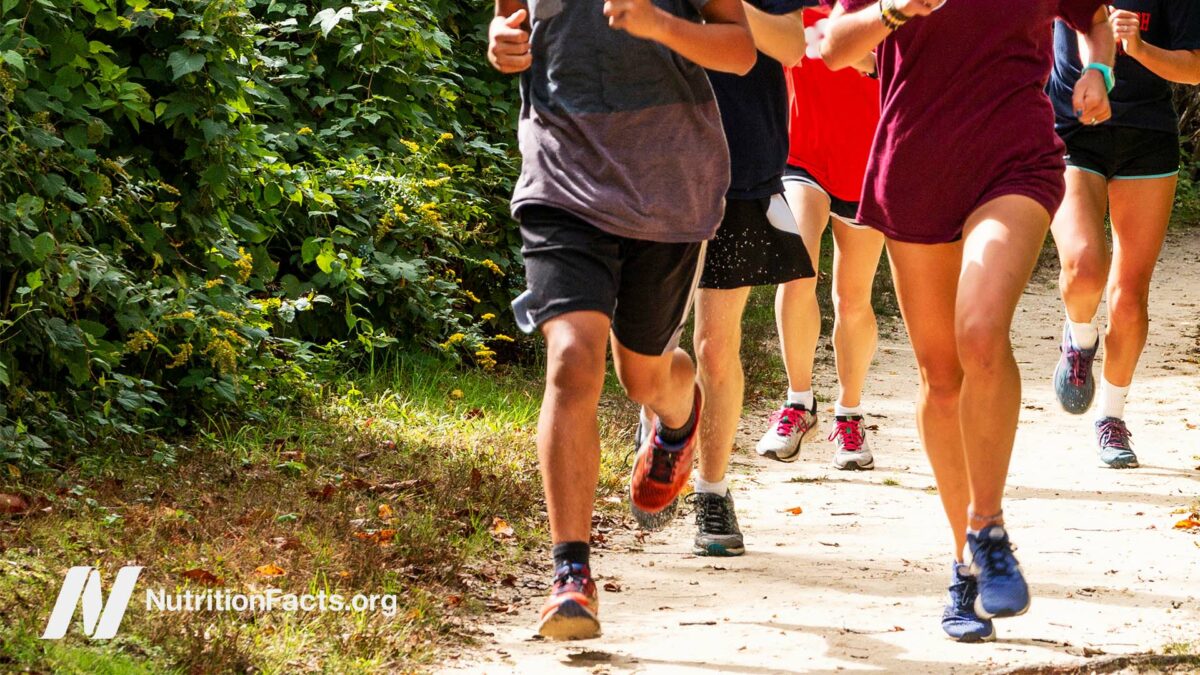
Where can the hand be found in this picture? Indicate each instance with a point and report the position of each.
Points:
(913, 8)
(639, 18)
(1127, 29)
(1091, 98)
(508, 43)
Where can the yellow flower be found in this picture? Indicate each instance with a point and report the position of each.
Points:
(304, 131)
(446, 137)
(456, 394)
(503, 338)
(471, 296)
(492, 266)
(488, 317)
(435, 182)
(213, 282)
(444, 166)
(226, 315)
(412, 147)
(140, 341)
(182, 356)
(244, 265)
(188, 315)
(456, 338)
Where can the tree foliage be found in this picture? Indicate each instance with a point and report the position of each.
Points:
(200, 199)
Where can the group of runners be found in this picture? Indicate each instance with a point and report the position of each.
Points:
(677, 153)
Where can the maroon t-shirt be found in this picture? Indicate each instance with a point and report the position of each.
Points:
(964, 116)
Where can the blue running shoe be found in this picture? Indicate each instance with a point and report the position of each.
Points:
(1002, 588)
(1073, 382)
(1115, 450)
(959, 620)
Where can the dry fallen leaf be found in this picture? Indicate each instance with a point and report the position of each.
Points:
(612, 587)
(270, 570)
(13, 504)
(795, 510)
(501, 529)
(324, 494)
(1188, 524)
(202, 576)
(386, 536)
(385, 512)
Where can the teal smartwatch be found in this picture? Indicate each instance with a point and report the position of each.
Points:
(1110, 80)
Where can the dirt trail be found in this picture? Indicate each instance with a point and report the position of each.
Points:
(856, 582)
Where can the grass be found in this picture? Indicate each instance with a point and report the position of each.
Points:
(403, 480)
(404, 483)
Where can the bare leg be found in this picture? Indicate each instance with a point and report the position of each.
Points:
(797, 314)
(718, 341)
(855, 330)
(926, 278)
(664, 384)
(568, 439)
(1002, 240)
(1079, 237)
(1141, 211)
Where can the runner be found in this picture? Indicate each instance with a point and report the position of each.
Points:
(1126, 166)
(623, 177)
(833, 119)
(964, 174)
(758, 243)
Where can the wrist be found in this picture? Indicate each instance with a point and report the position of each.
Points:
(1103, 71)
(890, 16)
(657, 28)
(1134, 47)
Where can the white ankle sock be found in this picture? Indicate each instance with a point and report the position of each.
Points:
(718, 488)
(1112, 400)
(1084, 335)
(804, 398)
(845, 411)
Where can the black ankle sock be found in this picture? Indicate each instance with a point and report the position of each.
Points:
(677, 435)
(571, 553)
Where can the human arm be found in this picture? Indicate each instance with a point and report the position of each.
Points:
(1173, 65)
(1096, 45)
(780, 36)
(851, 36)
(508, 37)
(723, 42)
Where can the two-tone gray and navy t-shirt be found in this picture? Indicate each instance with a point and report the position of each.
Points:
(620, 131)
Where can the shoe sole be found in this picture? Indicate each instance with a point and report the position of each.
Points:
(656, 521)
(718, 550)
(1120, 464)
(983, 614)
(771, 454)
(854, 465)
(569, 622)
(975, 638)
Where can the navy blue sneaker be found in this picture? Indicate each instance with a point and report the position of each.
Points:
(1115, 450)
(1073, 382)
(1002, 588)
(959, 619)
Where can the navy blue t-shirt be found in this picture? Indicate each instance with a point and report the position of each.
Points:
(754, 112)
(1141, 99)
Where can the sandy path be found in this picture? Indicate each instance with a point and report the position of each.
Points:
(856, 582)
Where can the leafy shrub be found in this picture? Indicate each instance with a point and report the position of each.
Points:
(193, 194)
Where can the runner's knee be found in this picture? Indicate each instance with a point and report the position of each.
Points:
(983, 343)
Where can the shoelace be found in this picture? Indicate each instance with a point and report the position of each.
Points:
(1114, 434)
(572, 578)
(997, 555)
(1080, 364)
(850, 431)
(968, 589)
(785, 420)
(662, 463)
(713, 514)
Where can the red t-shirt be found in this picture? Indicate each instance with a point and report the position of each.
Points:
(964, 115)
(833, 115)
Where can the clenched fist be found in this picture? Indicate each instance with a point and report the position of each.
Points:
(508, 43)
(636, 17)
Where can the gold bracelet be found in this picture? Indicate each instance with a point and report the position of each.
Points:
(891, 17)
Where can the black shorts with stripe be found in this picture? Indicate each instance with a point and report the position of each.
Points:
(757, 244)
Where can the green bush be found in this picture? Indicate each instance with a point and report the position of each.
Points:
(196, 194)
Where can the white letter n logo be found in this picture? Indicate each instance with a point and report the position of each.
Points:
(100, 620)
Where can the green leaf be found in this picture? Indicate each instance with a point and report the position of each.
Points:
(329, 18)
(326, 258)
(34, 280)
(43, 246)
(309, 250)
(272, 195)
(15, 60)
(183, 63)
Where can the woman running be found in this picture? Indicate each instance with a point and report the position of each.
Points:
(833, 119)
(1126, 166)
(964, 175)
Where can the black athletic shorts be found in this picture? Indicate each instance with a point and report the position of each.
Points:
(645, 287)
(845, 211)
(757, 244)
(1123, 153)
